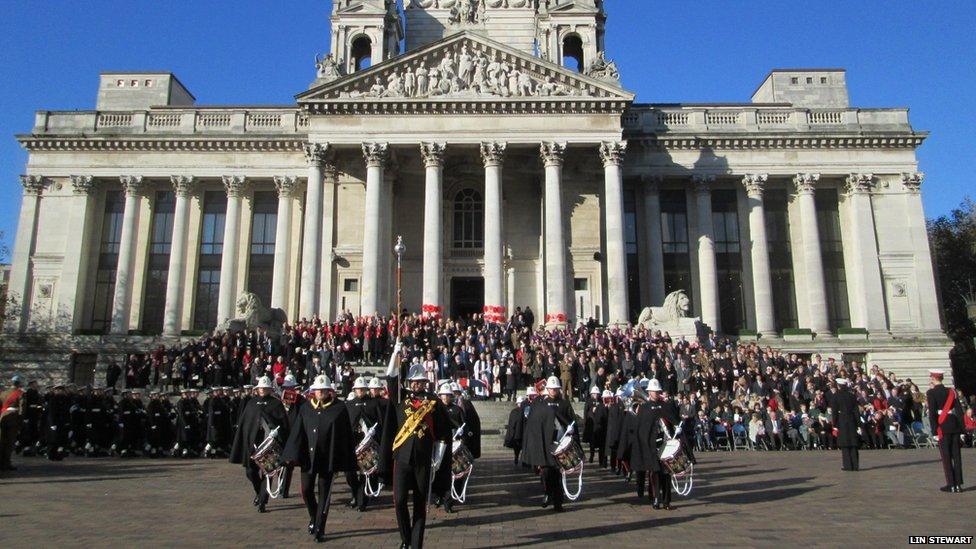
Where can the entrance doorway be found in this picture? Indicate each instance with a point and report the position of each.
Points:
(467, 296)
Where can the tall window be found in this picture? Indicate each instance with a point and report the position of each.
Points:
(633, 260)
(728, 260)
(211, 247)
(108, 260)
(264, 224)
(469, 219)
(832, 250)
(674, 235)
(159, 249)
(780, 259)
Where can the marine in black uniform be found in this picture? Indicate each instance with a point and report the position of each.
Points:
(131, 416)
(615, 415)
(189, 425)
(101, 423)
(443, 477)
(653, 417)
(845, 419)
(219, 430)
(515, 430)
(293, 400)
(159, 428)
(946, 420)
(595, 430)
(472, 421)
(58, 422)
(415, 437)
(28, 441)
(321, 443)
(548, 414)
(361, 420)
(262, 414)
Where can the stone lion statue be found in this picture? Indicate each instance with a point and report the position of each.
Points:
(253, 315)
(668, 315)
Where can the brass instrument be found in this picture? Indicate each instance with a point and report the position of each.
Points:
(414, 420)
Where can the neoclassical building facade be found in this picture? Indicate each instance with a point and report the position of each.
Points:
(495, 137)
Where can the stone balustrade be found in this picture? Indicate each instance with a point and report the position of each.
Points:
(698, 119)
(164, 121)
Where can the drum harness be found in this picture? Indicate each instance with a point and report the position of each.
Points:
(463, 495)
(276, 477)
(682, 483)
(578, 469)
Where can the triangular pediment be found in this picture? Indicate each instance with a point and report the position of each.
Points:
(360, 7)
(464, 67)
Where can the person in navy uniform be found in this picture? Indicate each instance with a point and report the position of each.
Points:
(361, 420)
(845, 419)
(321, 442)
(443, 477)
(656, 420)
(415, 449)
(549, 417)
(263, 414)
(946, 420)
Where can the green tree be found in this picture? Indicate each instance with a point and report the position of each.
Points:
(953, 240)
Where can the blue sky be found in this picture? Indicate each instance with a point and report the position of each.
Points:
(897, 53)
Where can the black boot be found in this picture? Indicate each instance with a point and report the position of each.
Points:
(545, 501)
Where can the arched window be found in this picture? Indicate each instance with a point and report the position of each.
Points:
(573, 53)
(469, 220)
(362, 53)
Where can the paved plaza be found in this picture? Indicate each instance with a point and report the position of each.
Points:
(740, 499)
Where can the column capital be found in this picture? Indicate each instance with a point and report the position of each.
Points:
(652, 182)
(316, 154)
(913, 181)
(612, 152)
(552, 153)
(755, 184)
(33, 184)
(493, 153)
(182, 184)
(433, 154)
(82, 185)
(376, 154)
(286, 185)
(234, 185)
(806, 183)
(132, 184)
(859, 183)
(703, 182)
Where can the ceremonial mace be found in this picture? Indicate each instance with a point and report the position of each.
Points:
(399, 248)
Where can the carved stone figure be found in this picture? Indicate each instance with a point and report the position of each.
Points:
(254, 315)
(327, 69)
(603, 69)
(672, 317)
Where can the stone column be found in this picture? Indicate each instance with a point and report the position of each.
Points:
(707, 270)
(176, 276)
(316, 154)
(20, 272)
(330, 174)
(762, 282)
(74, 274)
(612, 155)
(493, 156)
(227, 296)
(282, 257)
(433, 155)
(555, 244)
(376, 155)
(816, 286)
(868, 297)
(655, 238)
(122, 300)
(925, 275)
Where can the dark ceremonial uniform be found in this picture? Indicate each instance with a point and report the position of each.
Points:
(219, 430)
(595, 429)
(472, 427)
(321, 442)
(625, 438)
(293, 400)
(359, 418)
(101, 424)
(948, 425)
(845, 419)
(516, 428)
(261, 415)
(540, 440)
(58, 422)
(159, 428)
(130, 416)
(443, 477)
(615, 416)
(189, 426)
(645, 458)
(31, 416)
(411, 461)
(78, 435)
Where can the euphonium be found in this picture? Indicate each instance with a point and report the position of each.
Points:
(413, 421)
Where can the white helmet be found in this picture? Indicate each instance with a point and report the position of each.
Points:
(594, 390)
(290, 382)
(654, 386)
(264, 382)
(376, 383)
(455, 387)
(531, 391)
(553, 383)
(360, 383)
(445, 389)
(417, 373)
(607, 394)
(322, 383)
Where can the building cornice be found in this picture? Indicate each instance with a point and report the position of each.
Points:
(795, 141)
(35, 143)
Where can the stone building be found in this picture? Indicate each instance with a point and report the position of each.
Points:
(495, 136)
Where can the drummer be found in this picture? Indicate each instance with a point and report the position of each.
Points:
(444, 478)
(262, 412)
(652, 419)
(549, 418)
(321, 442)
(361, 421)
